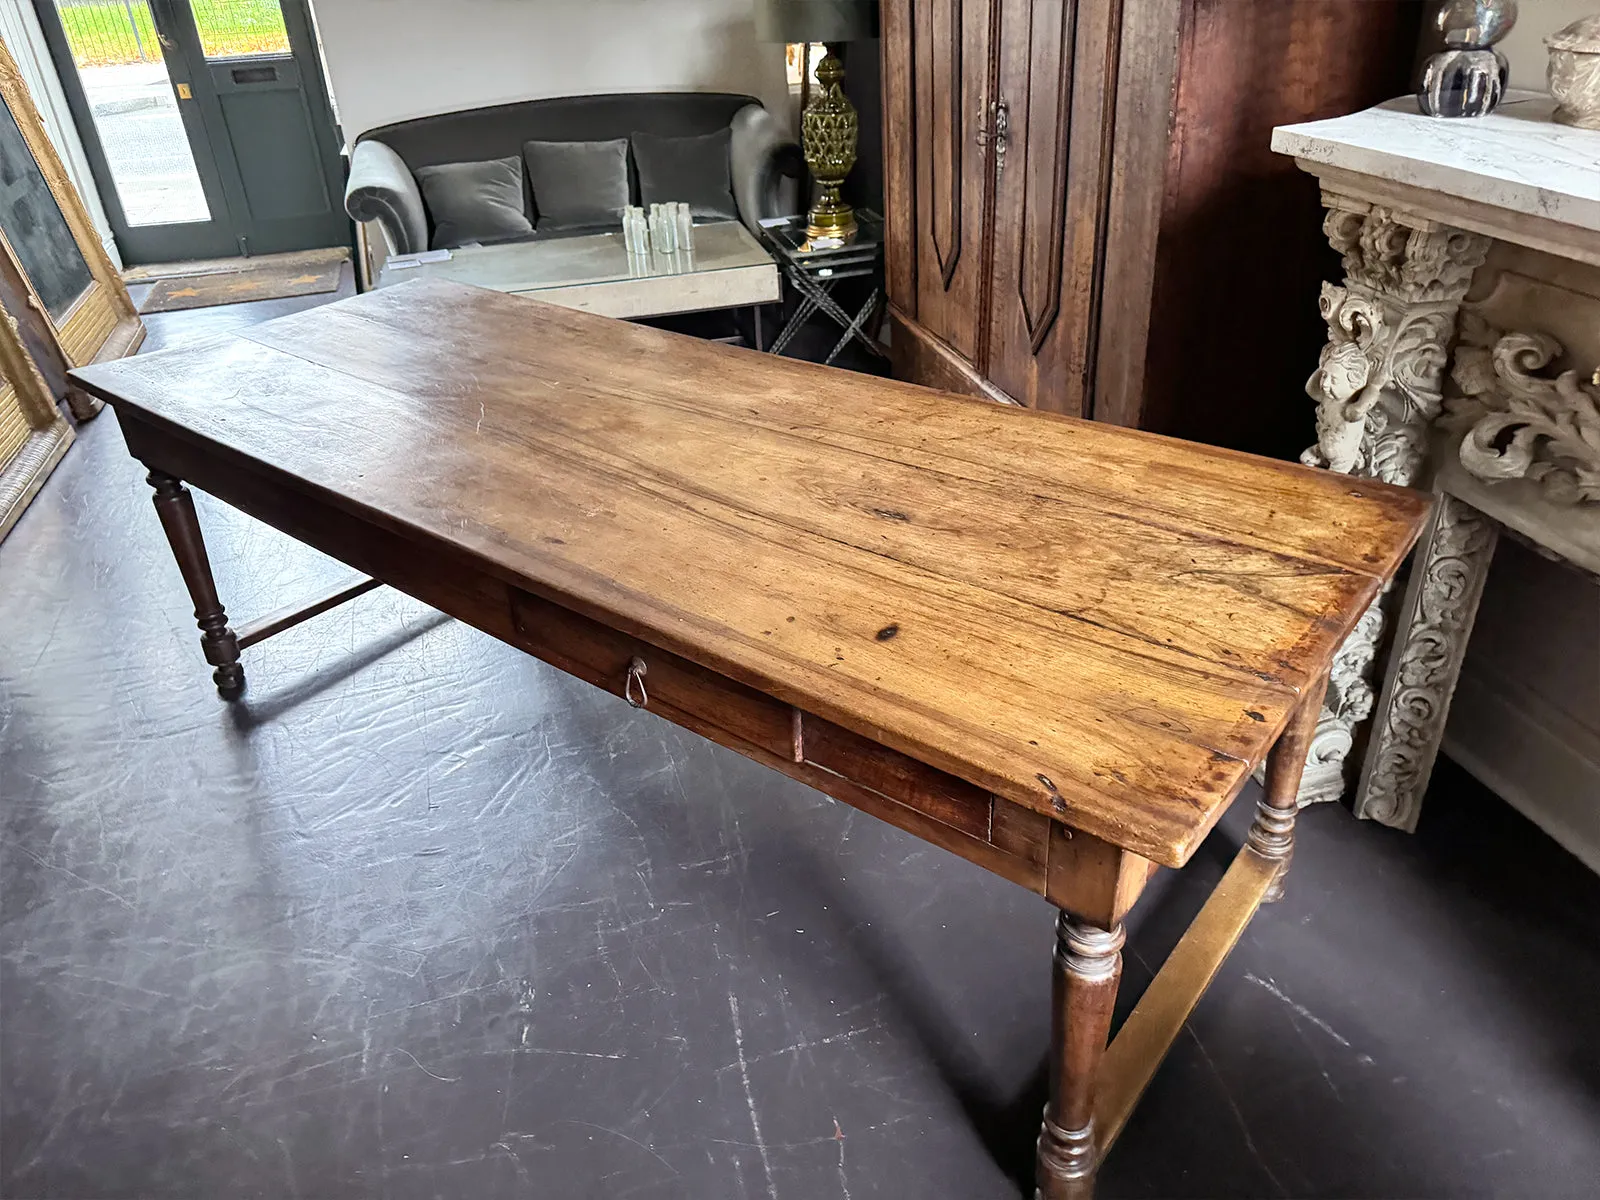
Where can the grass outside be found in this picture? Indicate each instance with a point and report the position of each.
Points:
(101, 33)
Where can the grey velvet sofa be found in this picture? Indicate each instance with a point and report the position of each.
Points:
(383, 189)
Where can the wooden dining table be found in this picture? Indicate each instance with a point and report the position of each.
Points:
(1056, 648)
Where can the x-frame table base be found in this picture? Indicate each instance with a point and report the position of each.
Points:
(1093, 1086)
(816, 296)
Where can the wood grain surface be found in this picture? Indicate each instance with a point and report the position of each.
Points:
(1137, 254)
(1106, 627)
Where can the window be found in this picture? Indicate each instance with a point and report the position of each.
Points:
(236, 28)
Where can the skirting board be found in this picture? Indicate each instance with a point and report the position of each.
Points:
(1532, 756)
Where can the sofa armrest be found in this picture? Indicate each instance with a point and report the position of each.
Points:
(762, 153)
(382, 189)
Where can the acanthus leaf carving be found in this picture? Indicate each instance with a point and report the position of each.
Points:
(1350, 694)
(1378, 387)
(1516, 423)
(1379, 381)
(1432, 640)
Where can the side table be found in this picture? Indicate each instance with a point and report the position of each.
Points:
(1462, 353)
(814, 271)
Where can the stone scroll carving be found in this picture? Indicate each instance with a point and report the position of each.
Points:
(1519, 424)
(1378, 386)
(1441, 602)
(1517, 420)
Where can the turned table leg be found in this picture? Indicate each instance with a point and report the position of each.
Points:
(1272, 832)
(1087, 966)
(175, 507)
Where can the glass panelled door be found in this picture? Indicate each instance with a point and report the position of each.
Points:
(206, 121)
(136, 130)
(259, 89)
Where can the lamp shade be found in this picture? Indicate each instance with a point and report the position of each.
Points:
(816, 20)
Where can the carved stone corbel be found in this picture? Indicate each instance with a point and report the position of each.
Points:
(1514, 424)
(1436, 620)
(1378, 387)
(1378, 384)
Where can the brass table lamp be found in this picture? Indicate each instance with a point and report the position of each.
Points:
(829, 125)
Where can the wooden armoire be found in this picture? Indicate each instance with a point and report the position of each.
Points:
(1083, 213)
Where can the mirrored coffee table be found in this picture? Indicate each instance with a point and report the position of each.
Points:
(727, 268)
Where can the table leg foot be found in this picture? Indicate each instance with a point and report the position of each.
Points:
(1272, 832)
(175, 507)
(1066, 1162)
(1272, 836)
(1086, 969)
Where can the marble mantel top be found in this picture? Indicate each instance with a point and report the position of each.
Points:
(1516, 158)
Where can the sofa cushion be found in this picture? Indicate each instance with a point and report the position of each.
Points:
(472, 201)
(693, 170)
(578, 183)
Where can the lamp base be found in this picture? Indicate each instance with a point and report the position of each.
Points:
(838, 223)
(828, 129)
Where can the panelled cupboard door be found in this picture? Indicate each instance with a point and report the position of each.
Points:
(1057, 77)
(950, 67)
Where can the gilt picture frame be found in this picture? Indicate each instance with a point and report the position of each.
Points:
(102, 322)
(75, 312)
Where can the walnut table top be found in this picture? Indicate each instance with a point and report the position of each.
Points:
(1105, 626)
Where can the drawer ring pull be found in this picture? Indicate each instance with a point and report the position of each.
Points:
(635, 683)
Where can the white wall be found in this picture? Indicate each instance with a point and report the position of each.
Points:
(1524, 46)
(389, 60)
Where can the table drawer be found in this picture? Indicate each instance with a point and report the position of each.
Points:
(917, 786)
(901, 790)
(668, 685)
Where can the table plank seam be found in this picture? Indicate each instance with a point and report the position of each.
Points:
(925, 573)
(1220, 537)
(1326, 568)
(1231, 667)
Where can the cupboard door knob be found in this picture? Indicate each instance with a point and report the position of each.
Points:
(633, 687)
(1002, 131)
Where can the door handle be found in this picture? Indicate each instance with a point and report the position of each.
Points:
(995, 127)
(1002, 134)
(185, 92)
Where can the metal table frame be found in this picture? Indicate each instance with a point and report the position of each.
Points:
(815, 272)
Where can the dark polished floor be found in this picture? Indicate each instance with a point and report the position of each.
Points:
(421, 917)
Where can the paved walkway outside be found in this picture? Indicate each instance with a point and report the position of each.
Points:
(146, 148)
